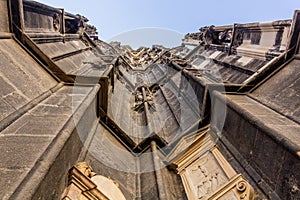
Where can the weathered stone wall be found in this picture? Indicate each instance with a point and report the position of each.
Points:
(262, 152)
(176, 189)
(281, 91)
(41, 18)
(198, 89)
(109, 158)
(4, 22)
(55, 180)
(18, 73)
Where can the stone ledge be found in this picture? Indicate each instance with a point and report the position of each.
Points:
(252, 129)
(4, 35)
(271, 122)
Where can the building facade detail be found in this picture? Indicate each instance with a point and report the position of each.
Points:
(216, 117)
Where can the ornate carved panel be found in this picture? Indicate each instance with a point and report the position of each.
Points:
(204, 177)
(206, 174)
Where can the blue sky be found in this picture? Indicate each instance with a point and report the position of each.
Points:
(114, 17)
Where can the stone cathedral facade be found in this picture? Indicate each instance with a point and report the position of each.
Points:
(214, 118)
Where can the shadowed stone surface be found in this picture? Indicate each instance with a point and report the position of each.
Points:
(25, 140)
(281, 92)
(19, 153)
(266, 140)
(18, 73)
(4, 25)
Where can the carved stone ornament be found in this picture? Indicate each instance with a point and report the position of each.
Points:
(144, 95)
(209, 35)
(237, 188)
(206, 174)
(85, 169)
(56, 22)
(204, 177)
(84, 184)
(238, 37)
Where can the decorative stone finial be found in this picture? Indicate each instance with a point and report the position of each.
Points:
(85, 169)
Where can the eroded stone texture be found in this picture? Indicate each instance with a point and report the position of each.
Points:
(4, 23)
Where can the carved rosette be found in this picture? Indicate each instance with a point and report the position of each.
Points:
(56, 22)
